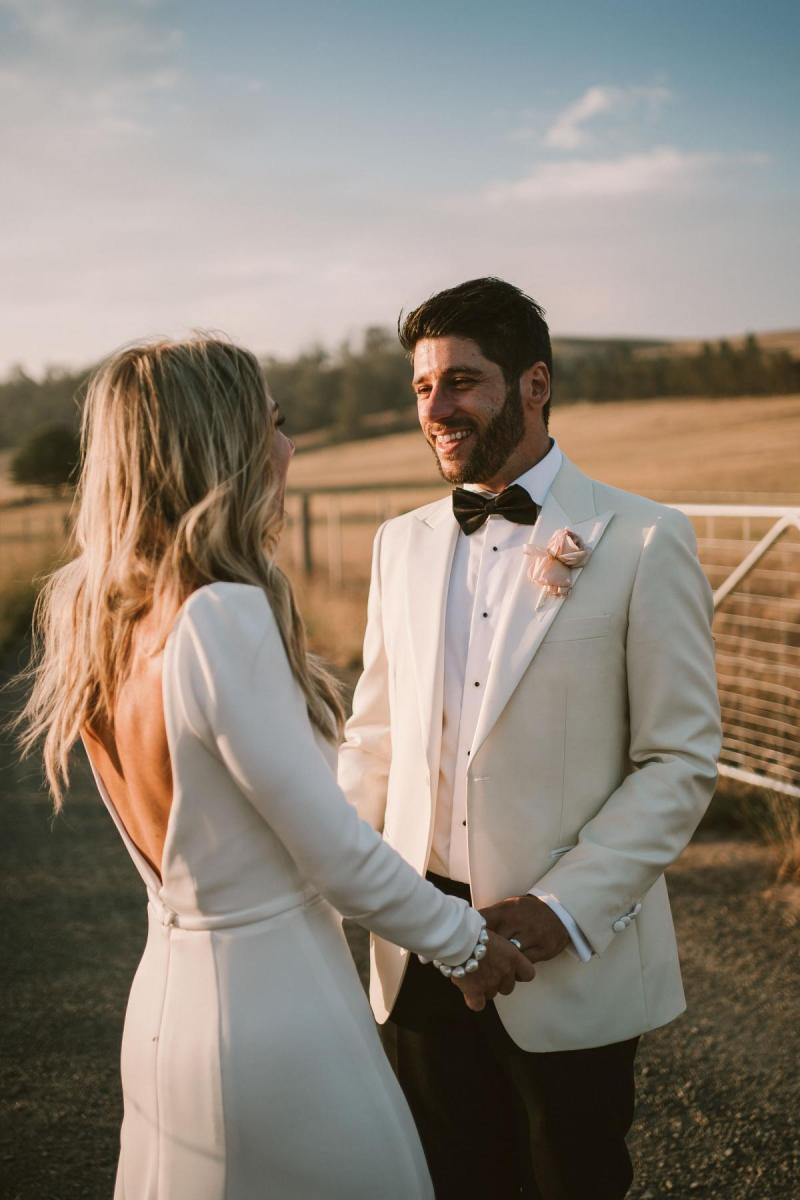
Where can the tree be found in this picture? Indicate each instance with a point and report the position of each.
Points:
(50, 458)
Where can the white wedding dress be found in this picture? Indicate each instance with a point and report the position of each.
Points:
(251, 1067)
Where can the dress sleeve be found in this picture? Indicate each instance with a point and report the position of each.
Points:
(245, 705)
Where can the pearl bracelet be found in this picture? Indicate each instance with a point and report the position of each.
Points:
(465, 968)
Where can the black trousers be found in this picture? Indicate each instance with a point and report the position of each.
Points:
(496, 1121)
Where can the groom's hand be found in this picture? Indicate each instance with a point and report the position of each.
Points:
(532, 922)
(501, 968)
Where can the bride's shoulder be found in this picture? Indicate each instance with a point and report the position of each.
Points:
(226, 612)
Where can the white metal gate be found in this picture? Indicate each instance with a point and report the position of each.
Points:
(751, 555)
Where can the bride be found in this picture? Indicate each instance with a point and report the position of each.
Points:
(172, 646)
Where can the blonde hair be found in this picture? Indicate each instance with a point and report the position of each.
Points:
(176, 491)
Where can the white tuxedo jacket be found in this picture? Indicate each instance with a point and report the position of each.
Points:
(594, 756)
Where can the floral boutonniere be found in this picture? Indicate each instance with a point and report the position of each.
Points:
(552, 567)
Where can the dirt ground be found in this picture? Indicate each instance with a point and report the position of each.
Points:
(718, 1096)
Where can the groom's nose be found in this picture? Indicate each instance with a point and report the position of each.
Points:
(438, 405)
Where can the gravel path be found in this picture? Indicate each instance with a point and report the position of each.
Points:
(718, 1094)
(718, 1107)
(718, 1089)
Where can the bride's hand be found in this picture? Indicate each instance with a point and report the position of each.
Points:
(502, 967)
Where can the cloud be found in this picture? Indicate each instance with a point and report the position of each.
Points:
(567, 131)
(81, 82)
(662, 170)
(67, 59)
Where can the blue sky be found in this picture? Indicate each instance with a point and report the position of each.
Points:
(291, 172)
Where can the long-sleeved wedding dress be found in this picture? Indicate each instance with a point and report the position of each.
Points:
(250, 1063)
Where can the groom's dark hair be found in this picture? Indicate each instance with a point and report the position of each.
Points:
(508, 326)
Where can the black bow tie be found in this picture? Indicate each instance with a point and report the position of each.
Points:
(472, 508)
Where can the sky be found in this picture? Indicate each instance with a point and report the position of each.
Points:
(293, 172)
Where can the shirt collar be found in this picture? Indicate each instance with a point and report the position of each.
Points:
(538, 479)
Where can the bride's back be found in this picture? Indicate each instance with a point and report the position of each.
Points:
(133, 758)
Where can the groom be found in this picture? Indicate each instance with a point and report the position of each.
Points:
(536, 728)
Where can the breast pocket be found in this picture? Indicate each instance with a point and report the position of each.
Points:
(573, 629)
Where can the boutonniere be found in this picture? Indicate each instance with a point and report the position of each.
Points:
(552, 567)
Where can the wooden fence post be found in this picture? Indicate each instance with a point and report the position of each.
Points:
(334, 541)
(306, 554)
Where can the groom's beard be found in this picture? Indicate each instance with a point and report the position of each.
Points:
(493, 447)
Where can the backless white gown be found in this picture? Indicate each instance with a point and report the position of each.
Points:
(251, 1067)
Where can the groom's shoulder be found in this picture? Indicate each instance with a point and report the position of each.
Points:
(636, 509)
(633, 505)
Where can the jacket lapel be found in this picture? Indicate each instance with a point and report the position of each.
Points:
(570, 504)
(431, 547)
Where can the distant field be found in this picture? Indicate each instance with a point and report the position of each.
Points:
(677, 448)
(745, 450)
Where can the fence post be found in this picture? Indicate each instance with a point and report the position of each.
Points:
(306, 555)
(334, 541)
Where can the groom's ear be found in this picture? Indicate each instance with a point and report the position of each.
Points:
(534, 385)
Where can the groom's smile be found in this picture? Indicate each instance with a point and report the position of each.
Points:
(475, 419)
(459, 394)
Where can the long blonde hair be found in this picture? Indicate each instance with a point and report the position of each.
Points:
(176, 491)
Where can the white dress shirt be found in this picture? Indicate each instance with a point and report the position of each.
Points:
(481, 577)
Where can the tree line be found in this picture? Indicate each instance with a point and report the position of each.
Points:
(365, 388)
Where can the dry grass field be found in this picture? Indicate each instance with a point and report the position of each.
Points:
(715, 451)
(681, 448)
(743, 450)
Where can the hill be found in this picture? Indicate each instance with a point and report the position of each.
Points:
(772, 342)
(686, 448)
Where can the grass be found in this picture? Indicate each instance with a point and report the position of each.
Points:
(777, 819)
(20, 568)
(675, 449)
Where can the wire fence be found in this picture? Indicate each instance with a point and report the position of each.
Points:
(751, 555)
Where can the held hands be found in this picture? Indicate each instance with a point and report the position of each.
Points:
(501, 968)
(540, 936)
(533, 923)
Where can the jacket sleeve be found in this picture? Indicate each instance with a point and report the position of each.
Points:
(674, 740)
(250, 712)
(366, 752)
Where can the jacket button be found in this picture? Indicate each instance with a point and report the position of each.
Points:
(619, 926)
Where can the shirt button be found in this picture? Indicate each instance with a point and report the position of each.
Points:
(494, 547)
(485, 614)
(477, 684)
(463, 822)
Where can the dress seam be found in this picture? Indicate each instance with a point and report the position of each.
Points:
(220, 1044)
(157, 1089)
